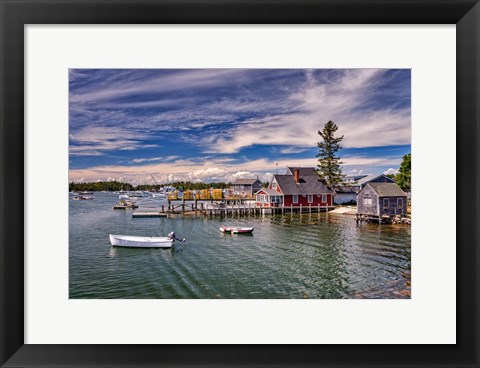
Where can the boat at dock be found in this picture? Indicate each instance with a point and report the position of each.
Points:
(236, 229)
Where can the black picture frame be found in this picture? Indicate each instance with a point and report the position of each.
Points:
(15, 14)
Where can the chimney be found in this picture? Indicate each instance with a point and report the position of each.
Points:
(296, 175)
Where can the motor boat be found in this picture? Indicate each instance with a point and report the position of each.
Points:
(144, 241)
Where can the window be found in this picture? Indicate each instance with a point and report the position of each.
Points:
(367, 201)
(274, 185)
(310, 198)
(386, 203)
(295, 198)
(399, 202)
(324, 198)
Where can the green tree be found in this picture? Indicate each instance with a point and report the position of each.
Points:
(404, 176)
(328, 168)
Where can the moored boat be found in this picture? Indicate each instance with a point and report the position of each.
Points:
(82, 198)
(236, 229)
(141, 241)
(144, 241)
(125, 206)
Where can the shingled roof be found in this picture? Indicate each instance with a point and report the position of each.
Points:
(302, 171)
(270, 192)
(369, 178)
(309, 184)
(387, 190)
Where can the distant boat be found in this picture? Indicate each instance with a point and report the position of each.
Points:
(143, 241)
(82, 198)
(125, 206)
(236, 229)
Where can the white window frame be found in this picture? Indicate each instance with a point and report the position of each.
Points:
(388, 203)
(369, 203)
(310, 198)
(401, 203)
(295, 198)
(324, 198)
(274, 185)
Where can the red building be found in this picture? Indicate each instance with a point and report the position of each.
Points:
(298, 187)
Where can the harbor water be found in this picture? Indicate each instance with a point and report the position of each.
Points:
(315, 255)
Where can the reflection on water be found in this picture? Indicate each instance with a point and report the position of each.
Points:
(287, 256)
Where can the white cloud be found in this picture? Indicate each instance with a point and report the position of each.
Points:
(391, 171)
(343, 102)
(341, 96)
(97, 140)
(291, 150)
(210, 170)
(152, 159)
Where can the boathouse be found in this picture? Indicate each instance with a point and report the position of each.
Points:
(246, 187)
(382, 200)
(299, 187)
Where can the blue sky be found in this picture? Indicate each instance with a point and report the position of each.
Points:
(222, 124)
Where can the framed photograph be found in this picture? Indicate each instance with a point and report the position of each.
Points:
(232, 183)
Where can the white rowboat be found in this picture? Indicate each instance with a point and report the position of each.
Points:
(141, 241)
(236, 229)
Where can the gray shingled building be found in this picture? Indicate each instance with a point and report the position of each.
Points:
(382, 199)
(246, 187)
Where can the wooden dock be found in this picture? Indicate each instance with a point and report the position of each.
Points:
(221, 209)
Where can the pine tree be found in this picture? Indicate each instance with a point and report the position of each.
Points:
(328, 168)
(404, 176)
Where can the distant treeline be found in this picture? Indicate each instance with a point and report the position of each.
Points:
(113, 186)
(185, 185)
(110, 186)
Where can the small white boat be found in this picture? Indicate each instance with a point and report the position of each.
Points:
(144, 241)
(141, 241)
(236, 229)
